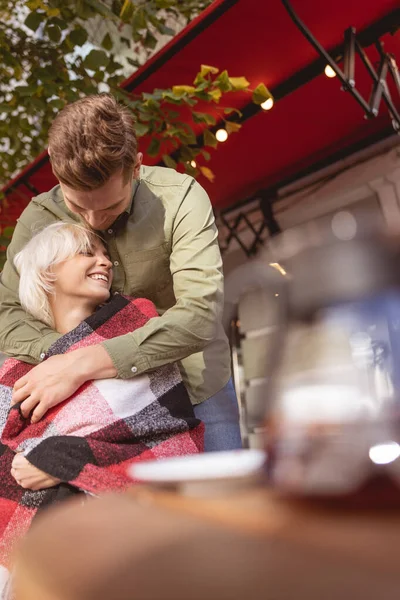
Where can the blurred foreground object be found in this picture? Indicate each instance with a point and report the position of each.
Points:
(147, 545)
(315, 335)
(334, 425)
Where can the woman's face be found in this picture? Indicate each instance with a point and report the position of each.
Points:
(85, 276)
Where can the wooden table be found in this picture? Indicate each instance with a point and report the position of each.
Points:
(253, 544)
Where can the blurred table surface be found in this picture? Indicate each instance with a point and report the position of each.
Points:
(318, 550)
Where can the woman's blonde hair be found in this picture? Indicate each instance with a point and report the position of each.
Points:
(54, 244)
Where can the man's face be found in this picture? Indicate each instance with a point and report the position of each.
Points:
(100, 207)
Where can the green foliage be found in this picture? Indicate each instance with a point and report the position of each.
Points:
(261, 94)
(43, 67)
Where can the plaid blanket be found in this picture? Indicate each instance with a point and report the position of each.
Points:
(89, 440)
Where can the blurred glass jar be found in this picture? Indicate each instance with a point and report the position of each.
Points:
(334, 426)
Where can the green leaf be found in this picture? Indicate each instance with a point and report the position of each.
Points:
(203, 85)
(150, 102)
(78, 36)
(215, 95)
(60, 22)
(33, 20)
(54, 33)
(199, 80)
(139, 20)
(141, 129)
(181, 90)
(6, 108)
(169, 96)
(186, 154)
(164, 3)
(169, 162)
(25, 90)
(188, 137)
(229, 111)
(239, 83)
(232, 127)
(223, 81)
(150, 41)
(35, 4)
(203, 118)
(210, 139)
(133, 62)
(99, 76)
(206, 154)
(165, 30)
(113, 66)
(18, 70)
(38, 103)
(96, 59)
(261, 94)
(107, 42)
(154, 147)
(126, 11)
(57, 103)
(206, 69)
(52, 12)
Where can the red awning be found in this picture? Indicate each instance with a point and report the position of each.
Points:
(312, 120)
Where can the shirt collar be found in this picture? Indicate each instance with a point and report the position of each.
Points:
(123, 218)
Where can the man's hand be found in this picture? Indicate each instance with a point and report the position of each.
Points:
(58, 377)
(29, 477)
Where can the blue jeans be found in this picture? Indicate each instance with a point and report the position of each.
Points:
(220, 415)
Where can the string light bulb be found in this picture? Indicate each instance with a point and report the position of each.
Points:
(193, 164)
(267, 104)
(221, 135)
(329, 72)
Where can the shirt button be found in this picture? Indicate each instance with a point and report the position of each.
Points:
(134, 369)
(42, 355)
(110, 231)
(116, 263)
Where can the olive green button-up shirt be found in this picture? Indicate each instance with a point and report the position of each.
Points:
(165, 249)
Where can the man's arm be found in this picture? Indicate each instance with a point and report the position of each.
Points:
(21, 335)
(187, 327)
(196, 268)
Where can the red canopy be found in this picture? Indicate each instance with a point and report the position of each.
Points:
(312, 120)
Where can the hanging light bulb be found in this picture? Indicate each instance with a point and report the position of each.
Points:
(329, 72)
(221, 135)
(267, 104)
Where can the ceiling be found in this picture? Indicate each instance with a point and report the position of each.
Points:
(312, 122)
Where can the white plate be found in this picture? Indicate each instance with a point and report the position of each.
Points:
(200, 467)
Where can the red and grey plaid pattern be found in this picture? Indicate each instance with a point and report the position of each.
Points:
(89, 440)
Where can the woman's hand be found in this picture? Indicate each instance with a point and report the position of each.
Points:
(29, 477)
(58, 377)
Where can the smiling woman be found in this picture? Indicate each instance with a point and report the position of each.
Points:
(87, 442)
(65, 273)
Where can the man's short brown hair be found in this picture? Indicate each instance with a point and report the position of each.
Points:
(90, 140)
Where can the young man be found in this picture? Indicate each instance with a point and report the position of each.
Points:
(161, 236)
